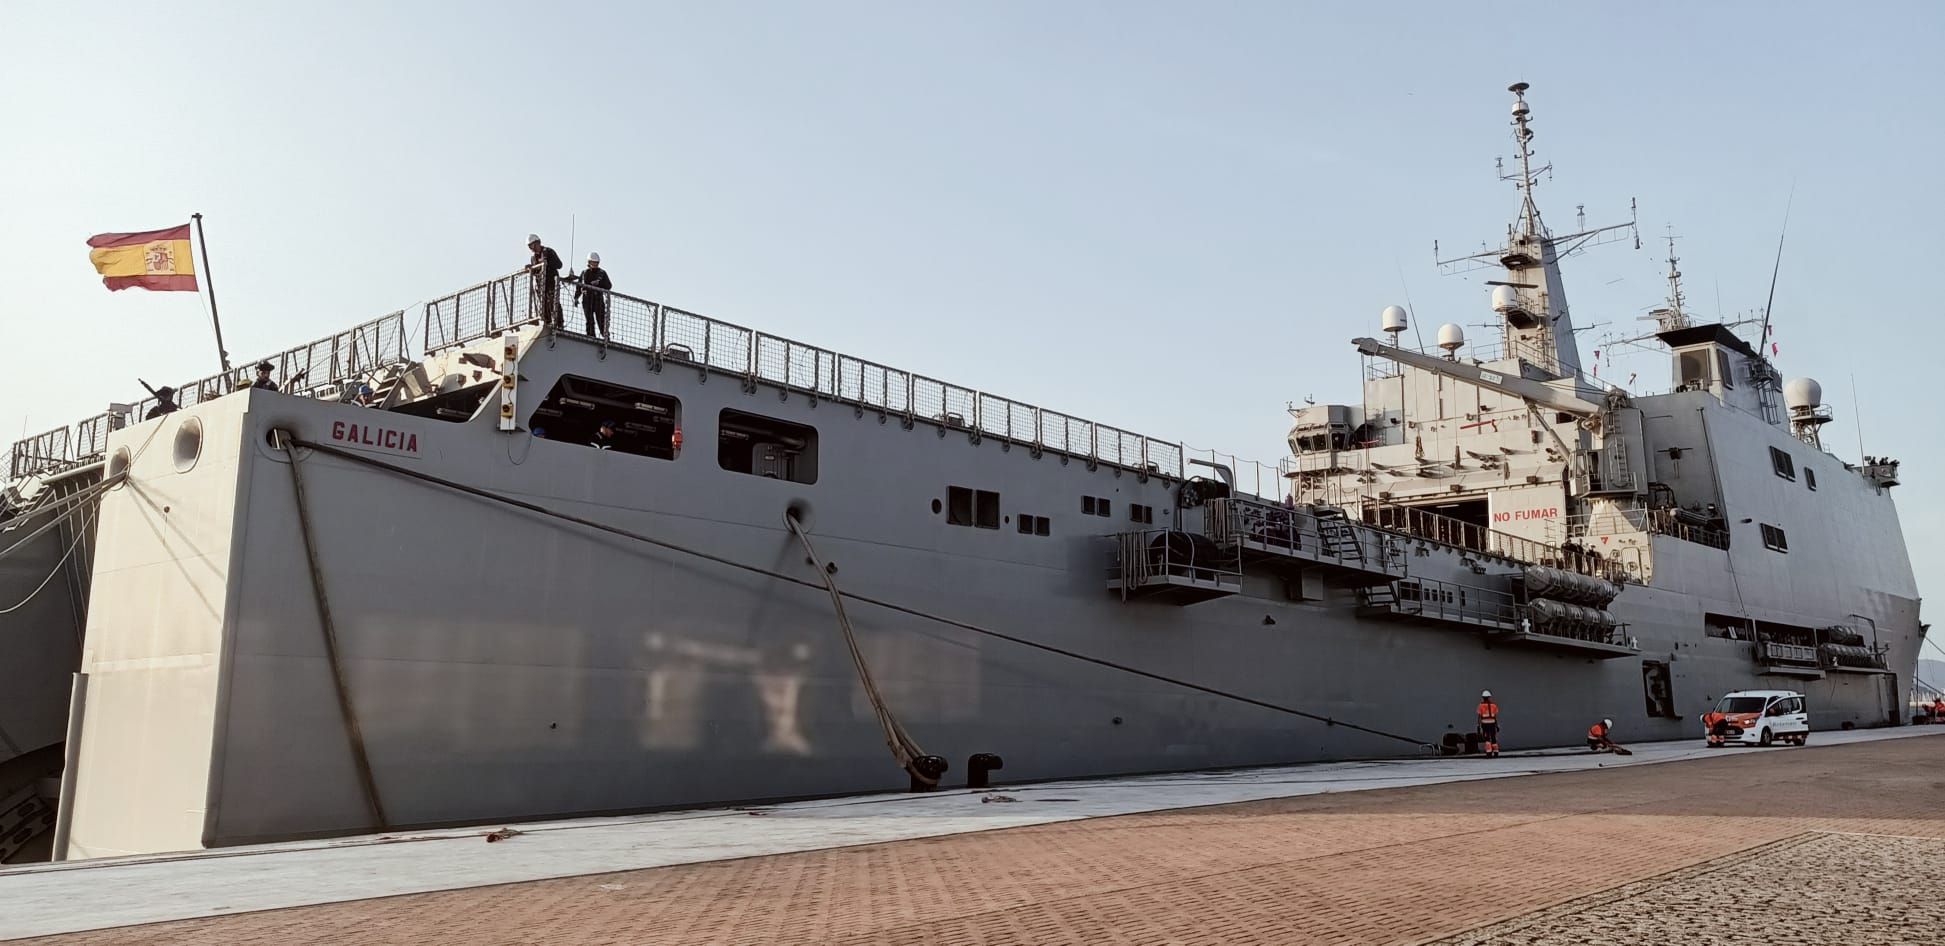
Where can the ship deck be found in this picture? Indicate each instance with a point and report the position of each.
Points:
(1528, 848)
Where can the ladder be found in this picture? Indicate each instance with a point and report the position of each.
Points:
(1340, 540)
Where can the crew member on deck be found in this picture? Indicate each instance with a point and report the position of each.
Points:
(264, 380)
(604, 438)
(165, 403)
(594, 286)
(1488, 724)
(545, 267)
(1597, 736)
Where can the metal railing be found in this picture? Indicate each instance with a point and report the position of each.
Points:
(1425, 524)
(672, 336)
(1142, 557)
(1450, 601)
(1301, 533)
(320, 367)
(1654, 521)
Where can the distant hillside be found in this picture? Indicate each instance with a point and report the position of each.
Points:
(1932, 672)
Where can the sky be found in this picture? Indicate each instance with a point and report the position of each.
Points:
(1170, 218)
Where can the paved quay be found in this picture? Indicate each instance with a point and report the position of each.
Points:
(1528, 850)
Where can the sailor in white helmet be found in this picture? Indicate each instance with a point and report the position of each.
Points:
(1488, 724)
(591, 294)
(1598, 736)
(545, 268)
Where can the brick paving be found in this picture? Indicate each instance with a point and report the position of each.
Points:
(1813, 889)
(1392, 866)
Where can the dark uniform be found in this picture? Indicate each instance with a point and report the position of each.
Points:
(546, 269)
(165, 403)
(263, 378)
(592, 296)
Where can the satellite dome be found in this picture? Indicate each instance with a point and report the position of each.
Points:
(1451, 337)
(1506, 299)
(1800, 393)
(1394, 318)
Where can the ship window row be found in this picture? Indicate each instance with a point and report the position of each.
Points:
(1140, 513)
(1779, 460)
(1096, 506)
(1034, 525)
(1774, 539)
(604, 416)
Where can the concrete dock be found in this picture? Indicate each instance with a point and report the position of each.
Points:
(1842, 842)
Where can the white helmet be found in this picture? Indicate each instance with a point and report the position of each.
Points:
(533, 238)
(594, 257)
(1485, 694)
(1608, 723)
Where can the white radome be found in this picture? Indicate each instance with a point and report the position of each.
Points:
(1451, 336)
(1394, 318)
(1802, 393)
(1506, 299)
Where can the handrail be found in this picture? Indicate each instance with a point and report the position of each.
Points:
(307, 370)
(670, 336)
(1424, 524)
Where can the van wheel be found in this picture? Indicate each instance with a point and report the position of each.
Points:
(1802, 738)
(1765, 739)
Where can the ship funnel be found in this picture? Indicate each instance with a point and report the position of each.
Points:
(1394, 321)
(1451, 338)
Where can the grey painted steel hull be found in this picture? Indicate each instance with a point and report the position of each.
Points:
(505, 666)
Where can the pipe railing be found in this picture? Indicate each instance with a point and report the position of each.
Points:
(672, 337)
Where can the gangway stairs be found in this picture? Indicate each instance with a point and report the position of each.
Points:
(1303, 537)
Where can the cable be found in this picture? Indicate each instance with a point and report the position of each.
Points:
(659, 543)
(903, 747)
(79, 534)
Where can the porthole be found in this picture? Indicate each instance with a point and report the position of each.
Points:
(188, 444)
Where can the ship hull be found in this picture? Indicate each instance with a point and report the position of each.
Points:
(501, 664)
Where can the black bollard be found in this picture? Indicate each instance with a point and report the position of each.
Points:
(979, 767)
(933, 767)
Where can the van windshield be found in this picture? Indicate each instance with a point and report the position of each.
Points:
(1741, 704)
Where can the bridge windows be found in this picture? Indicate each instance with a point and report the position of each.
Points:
(1779, 460)
(768, 447)
(643, 422)
(1774, 539)
(1096, 506)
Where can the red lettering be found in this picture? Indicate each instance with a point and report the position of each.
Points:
(391, 439)
(412, 443)
(337, 430)
(368, 441)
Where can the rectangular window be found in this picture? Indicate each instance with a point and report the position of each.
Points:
(959, 506)
(1722, 371)
(986, 509)
(1774, 539)
(766, 447)
(1033, 525)
(1087, 505)
(1026, 524)
(1103, 507)
(1140, 513)
(1780, 462)
(606, 416)
(1042, 526)
(1810, 477)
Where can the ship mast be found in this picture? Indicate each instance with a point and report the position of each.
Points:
(1531, 297)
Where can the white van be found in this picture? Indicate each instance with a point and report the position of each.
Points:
(1757, 718)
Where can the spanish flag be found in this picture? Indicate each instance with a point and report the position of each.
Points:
(154, 259)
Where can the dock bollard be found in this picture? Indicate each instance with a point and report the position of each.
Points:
(979, 767)
(932, 765)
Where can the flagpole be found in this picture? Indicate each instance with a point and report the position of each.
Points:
(209, 287)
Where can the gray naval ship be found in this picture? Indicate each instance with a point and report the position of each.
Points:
(425, 586)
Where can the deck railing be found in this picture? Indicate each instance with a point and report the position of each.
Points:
(675, 337)
(318, 368)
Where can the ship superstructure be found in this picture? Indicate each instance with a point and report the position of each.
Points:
(428, 590)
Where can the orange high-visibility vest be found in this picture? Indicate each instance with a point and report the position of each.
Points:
(1597, 731)
(1489, 713)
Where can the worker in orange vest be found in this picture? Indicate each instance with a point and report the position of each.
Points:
(1938, 710)
(1488, 724)
(1597, 736)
